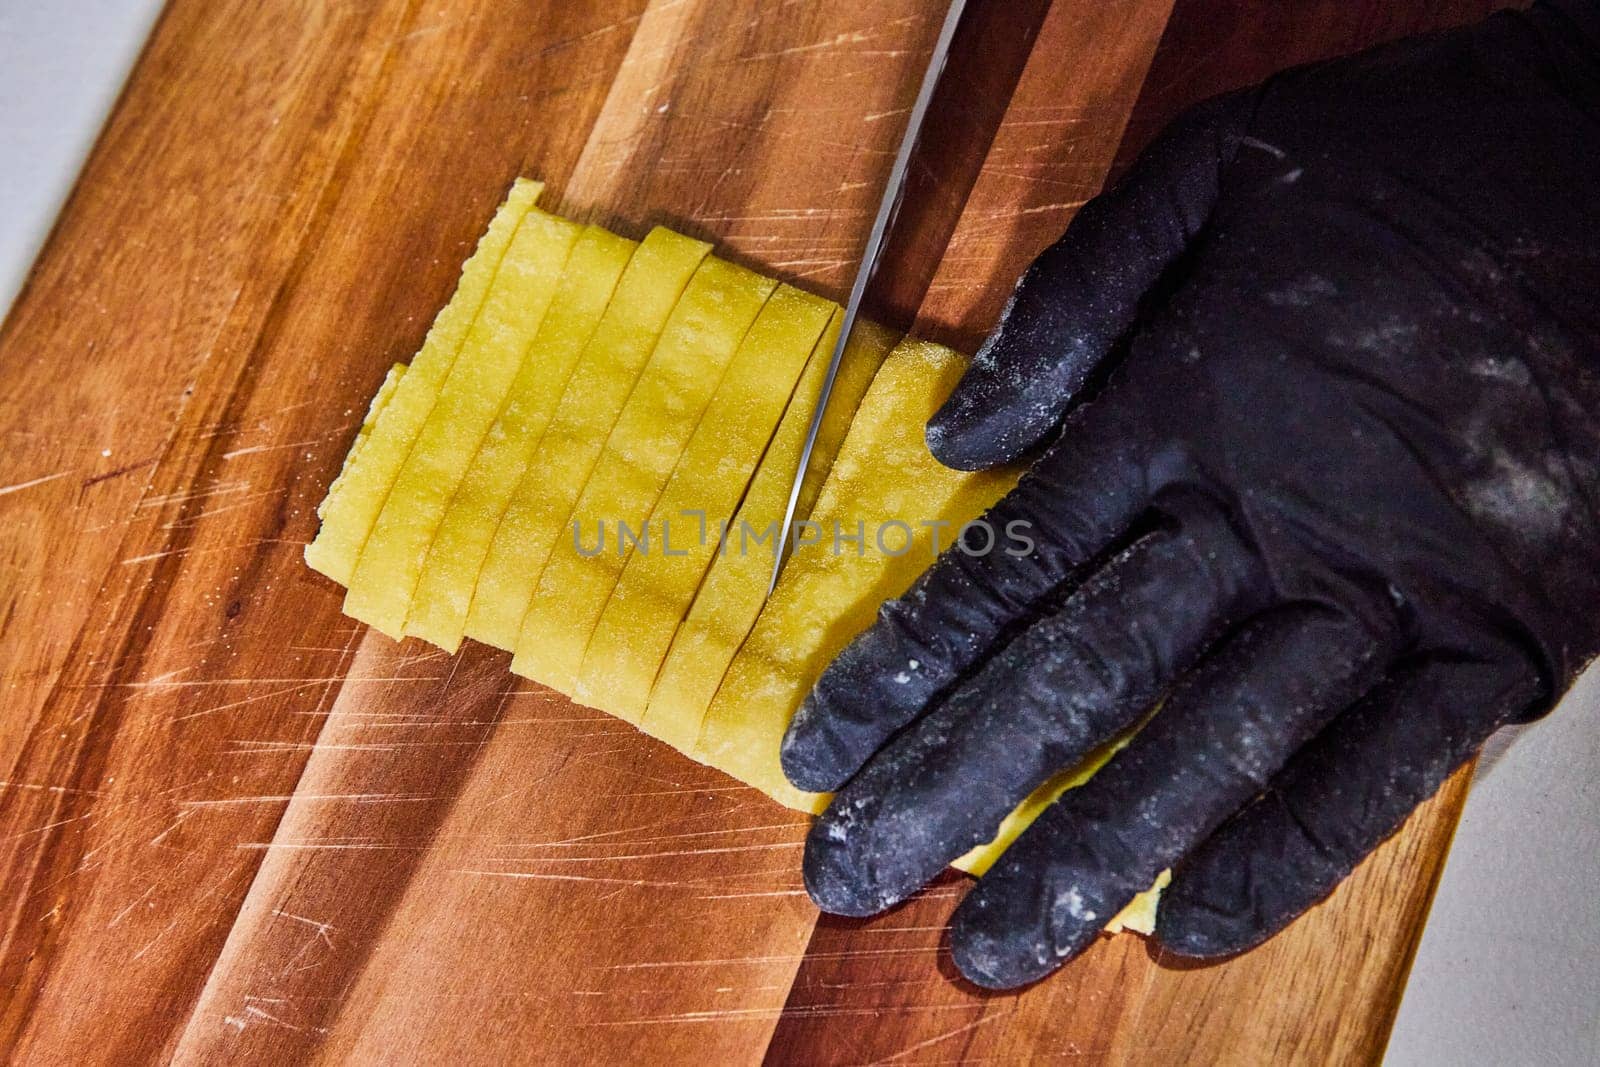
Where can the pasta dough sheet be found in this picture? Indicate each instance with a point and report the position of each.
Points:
(730, 598)
(572, 442)
(692, 515)
(696, 345)
(357, 495)
(444, 593)
(391, 561)
(380, 400)
(587, 462)
(831, 588)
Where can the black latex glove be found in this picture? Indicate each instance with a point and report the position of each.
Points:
(1322, 382)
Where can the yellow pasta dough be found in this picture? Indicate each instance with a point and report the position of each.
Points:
(695, 348)
(392, 559)
(380, 400)
(842, 570)
(356, 497)
(656, 586)
(573, 439)
(735, 588)
(582, 391)
(444, 592)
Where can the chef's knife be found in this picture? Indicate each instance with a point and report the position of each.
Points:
(877, 240)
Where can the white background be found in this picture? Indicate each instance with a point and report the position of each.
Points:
(1509, 969)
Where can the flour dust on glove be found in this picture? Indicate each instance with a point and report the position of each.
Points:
(1318, 391)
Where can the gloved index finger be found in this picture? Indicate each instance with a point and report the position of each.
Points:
(1065, 686)
(1079, 497)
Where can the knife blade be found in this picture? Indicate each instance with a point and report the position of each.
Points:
(877, 240)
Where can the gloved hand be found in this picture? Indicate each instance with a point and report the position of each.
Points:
(1321, 379)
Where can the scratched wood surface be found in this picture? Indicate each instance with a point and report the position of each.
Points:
(234, 825)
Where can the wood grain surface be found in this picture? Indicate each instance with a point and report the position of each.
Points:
(234, 826)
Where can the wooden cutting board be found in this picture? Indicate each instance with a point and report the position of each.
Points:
(234, 824)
